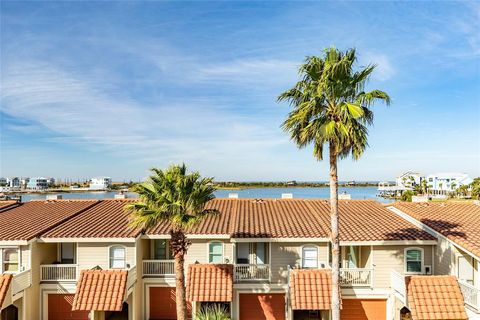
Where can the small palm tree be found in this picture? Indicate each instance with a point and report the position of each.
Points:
(176, 197)
(330, 107)
(214, 312)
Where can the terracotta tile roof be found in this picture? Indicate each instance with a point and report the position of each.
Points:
(100, 290)
(210, 282)
(107, 219)
(6, 203)
(218, 224)
(368, 220)
(5, 280)
(360, 220)
(459, 222)
(311, 289)
(30, 219)
(435, 297)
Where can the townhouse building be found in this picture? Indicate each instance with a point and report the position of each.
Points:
(260, 259)
(456, 225)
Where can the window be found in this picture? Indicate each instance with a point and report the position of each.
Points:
(117, 257)
(9, 260)
(466, 270)
(413, 260)
(310, 257)
(215, 252)
(67, 252)
(160, 249)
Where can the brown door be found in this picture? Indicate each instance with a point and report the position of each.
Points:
(60, 308)
(366, 309)
(262, 306)
(162, 303)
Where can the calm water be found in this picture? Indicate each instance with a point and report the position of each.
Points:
(256, 193)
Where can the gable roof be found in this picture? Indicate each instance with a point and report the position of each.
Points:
(107, 219)
(311, 289)
(210, 282)
(30, 219)
(457, 221)
(435, 298)
(100, 290)
(5, 280)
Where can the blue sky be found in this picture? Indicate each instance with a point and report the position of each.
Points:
(113, 88)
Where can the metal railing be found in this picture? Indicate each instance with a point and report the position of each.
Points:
(159, 268)
(252, 272)
(58, 272)
(21, 281)
(470, 294)
(356, 277)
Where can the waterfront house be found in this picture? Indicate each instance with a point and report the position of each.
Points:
(100, 183)
(446, 182)
(408, 180)
(37, 183)
(260, 259)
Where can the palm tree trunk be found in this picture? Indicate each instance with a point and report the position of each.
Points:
(335, 233)
(179, 245)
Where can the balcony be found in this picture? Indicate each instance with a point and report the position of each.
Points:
(159, 268)
(21, 281)
(252, 272)
(470, 295)
(356, 277)
(58, 272)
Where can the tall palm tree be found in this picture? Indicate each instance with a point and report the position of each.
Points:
(178, 198)
(330, 107)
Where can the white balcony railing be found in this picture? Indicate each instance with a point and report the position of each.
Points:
(21, 281)
(58, 272)
(397, 283)
(252, 272)
(356, 277)
(470, 294)
(131, 276)
(163, 268)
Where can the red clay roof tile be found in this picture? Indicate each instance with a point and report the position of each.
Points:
(107, 219)
(435, 298)
(459, 222)
(5, 280)
(210, 282)
(100, 290)
(30, 219)
(311, 289)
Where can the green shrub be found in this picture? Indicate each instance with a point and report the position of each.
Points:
(214, 312)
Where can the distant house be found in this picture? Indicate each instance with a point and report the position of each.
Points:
(14, 183)
(3, 182)
(408, 180)
(442, 183)
(100, 183)
(37, 183)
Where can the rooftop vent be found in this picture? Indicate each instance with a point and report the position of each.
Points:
(287, 195)
(344, 196)
(477, 202)
(54, 197)
(233, 195)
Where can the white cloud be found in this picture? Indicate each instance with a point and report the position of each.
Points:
(384, 70)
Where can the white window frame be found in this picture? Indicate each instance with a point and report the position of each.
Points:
(208, 250)
(310, 246)
(110, 258)
(167, 251)
(19, 261)
(422, 260)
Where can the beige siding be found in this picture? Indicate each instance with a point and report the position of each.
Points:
(198, 251)
(290, 254)
(388, 258)
(445, 257)
(25, 257)
(90, 255)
